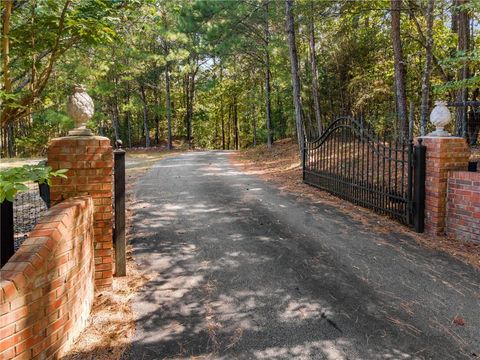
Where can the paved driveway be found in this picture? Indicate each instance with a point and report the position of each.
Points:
(240, 271)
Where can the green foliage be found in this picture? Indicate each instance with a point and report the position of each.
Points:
(13, 180)
(456, 61)
(45, 126)
(216, 56)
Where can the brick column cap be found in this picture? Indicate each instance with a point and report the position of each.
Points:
(92, 137)
(102, 140)
(440, 137)
(79, 141)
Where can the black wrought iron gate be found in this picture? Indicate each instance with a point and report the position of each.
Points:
(352, 162)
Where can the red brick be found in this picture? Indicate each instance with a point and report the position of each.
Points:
(26, 355)
(7, 354)
(463, 208)
(7, 331)
(17, 278)
(15, 339)
(13, 316)
(104, 282)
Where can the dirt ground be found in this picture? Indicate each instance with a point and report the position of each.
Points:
(111, 323)
(16, 162)
(281, 165)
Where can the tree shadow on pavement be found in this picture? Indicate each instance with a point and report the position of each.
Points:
(235, 275)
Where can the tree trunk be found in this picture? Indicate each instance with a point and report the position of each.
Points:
(33, 46)
(254, 119)
(145, 117)
(129, 129)
(235, 122)
(229, 131)
(313, 64)
(295, 77)
(222, 110)
(268, 106)
(10, 140)
(268, 103)
(463, 27)
(114, 111)
(222, 116)
(157, 129)
(7, 81)
(117, 116)
(157, 120)
(428, 68)
(128, 124)
(2, 141)
(189, 81)
(215, 142)
(186, 84)
(7, 13)
(454, 22)
(189, 112)
(169, 107)
(114, 102)
(191, 95)
(282, 128)
(400, 94)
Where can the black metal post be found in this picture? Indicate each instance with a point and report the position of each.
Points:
(6, 232)
(410, 185)
(473, 166)
(419, 187)
(119, 230)
(304, 157)
(44, 190)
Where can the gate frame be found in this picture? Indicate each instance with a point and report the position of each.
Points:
(119, 240)
(416, 170)
(419, 172)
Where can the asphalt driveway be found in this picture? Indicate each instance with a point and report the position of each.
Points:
(240, 271)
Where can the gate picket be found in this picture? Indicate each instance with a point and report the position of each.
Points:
(350, 161)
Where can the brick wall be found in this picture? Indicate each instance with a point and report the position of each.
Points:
(46, 288)
(443, 154)
(89, 160)
(463, 205)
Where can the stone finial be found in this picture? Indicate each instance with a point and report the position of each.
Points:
(440, 117)
(80, 108)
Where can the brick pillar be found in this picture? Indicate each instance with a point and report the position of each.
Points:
(89, 160)
(443, 154)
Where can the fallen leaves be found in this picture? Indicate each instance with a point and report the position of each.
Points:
(458, 320)
(111, 323)
(280, 165)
